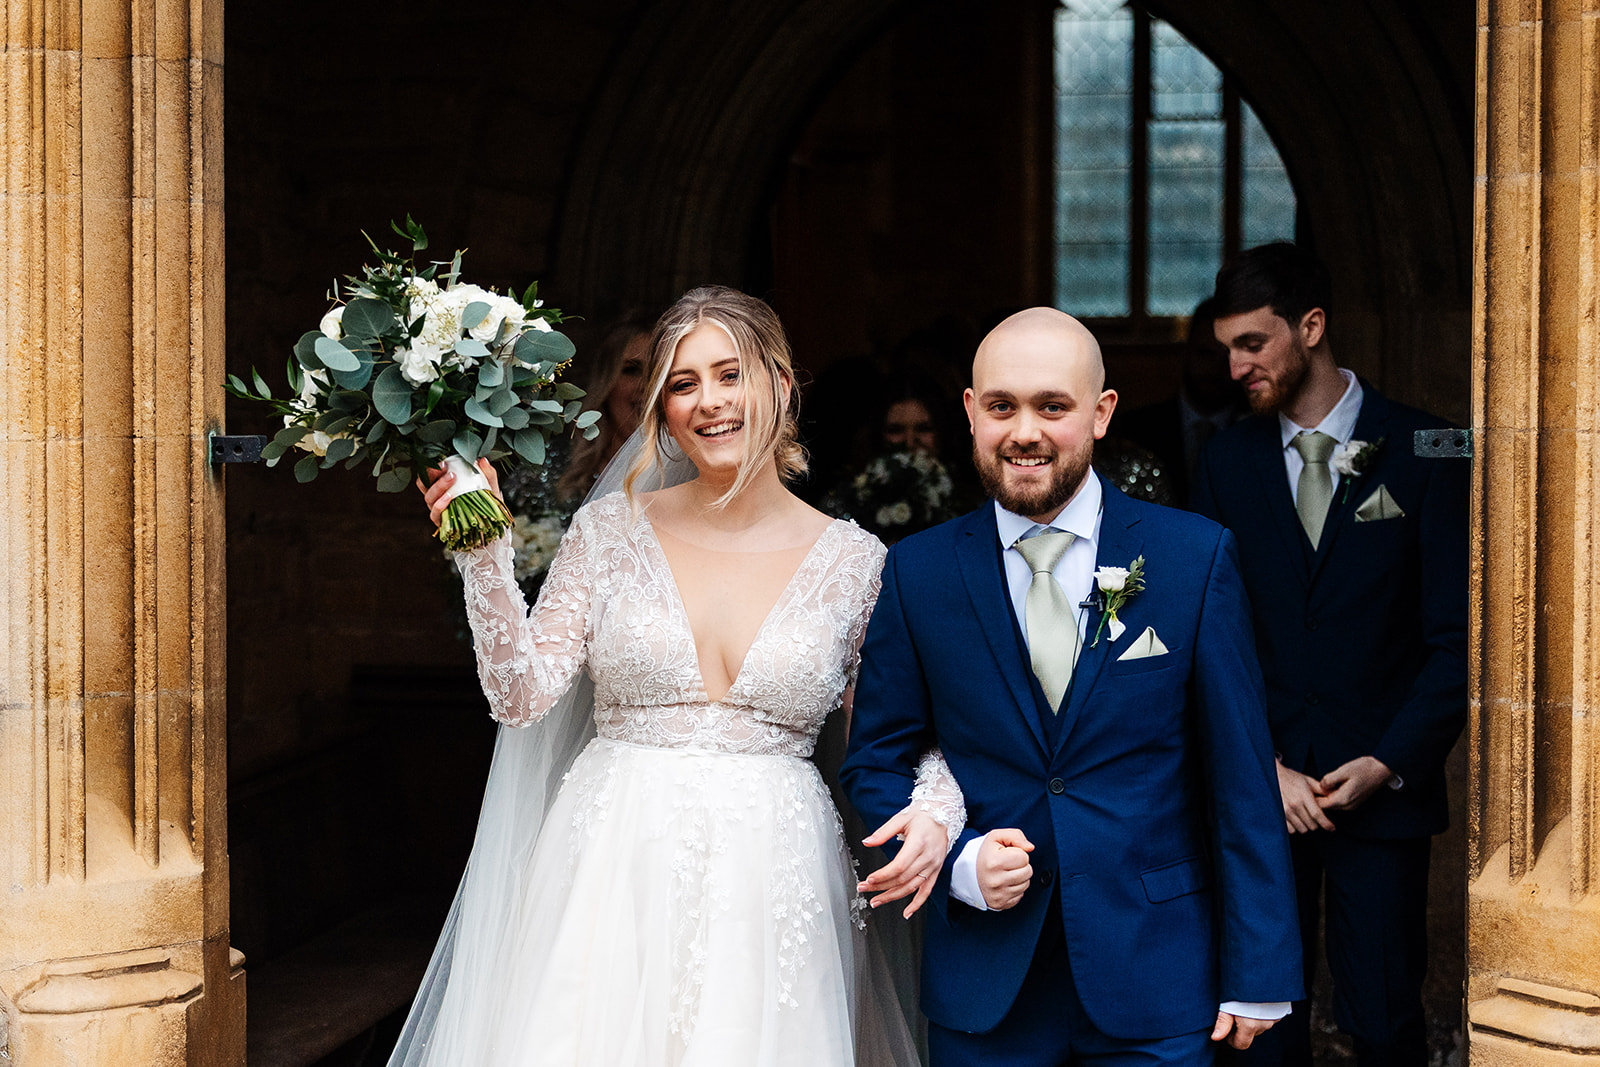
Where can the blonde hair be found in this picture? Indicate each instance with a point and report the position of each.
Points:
(766, 366)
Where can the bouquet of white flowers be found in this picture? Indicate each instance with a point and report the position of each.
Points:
(411, 369)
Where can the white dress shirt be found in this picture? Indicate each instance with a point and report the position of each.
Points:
(1075, 572)
(1339, 424)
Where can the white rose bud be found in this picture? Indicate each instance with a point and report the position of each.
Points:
(419, 364)
(332, 324)
(1111, 579)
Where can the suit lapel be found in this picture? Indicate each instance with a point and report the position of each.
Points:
(1119, 545)
(1371, 423)
(978, 557)
(1267, 452)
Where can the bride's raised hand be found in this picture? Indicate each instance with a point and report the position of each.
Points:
(915, 868)
(439, 482)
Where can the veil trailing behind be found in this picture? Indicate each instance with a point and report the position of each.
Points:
(465, 976)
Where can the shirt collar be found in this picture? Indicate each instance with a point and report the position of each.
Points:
(1339, 424)
(1081, 516)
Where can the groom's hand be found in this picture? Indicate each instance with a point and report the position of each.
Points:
(1301, 793)
(1003, 868)
(1239, 1030)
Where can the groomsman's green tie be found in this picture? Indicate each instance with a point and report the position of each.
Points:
(1052, 627)
(1314, 490)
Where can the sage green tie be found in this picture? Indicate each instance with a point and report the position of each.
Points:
(1314, 490)
(1052, 627)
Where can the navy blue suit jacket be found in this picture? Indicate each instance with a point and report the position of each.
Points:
(1364, 641)
(1156, 814)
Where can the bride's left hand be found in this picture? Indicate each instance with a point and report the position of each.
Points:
(916, 867)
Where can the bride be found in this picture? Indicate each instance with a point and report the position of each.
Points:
(678, 892)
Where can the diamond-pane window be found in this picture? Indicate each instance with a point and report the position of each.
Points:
(1161, 170)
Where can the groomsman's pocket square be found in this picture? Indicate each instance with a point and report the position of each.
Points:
(1380, 505)
(1144, 646)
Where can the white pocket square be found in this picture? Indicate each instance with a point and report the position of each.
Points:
(1380, 505)
(1144, 646)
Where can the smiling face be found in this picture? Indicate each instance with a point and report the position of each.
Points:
(1268, 356)
(1036, 407)
(706, 405)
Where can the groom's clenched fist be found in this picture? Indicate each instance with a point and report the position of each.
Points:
(1003, 868)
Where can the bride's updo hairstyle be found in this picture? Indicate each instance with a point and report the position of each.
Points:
(765, 367)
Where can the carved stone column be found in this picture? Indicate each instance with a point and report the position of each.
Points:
(113, 843)
(1533, 991)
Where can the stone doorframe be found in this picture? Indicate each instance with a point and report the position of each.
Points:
(113, 758)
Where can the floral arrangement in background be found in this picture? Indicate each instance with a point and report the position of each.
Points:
(895, 495)
(413, 369)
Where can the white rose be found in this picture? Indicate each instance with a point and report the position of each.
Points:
(1111, 579)
(502, 310)
(311, 384)
(332, 324)
(1344, 458)
(419, 363)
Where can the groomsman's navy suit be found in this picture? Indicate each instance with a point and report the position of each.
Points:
(1363, 647)
(1151, 799)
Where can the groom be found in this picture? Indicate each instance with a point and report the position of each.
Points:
(1124, 873)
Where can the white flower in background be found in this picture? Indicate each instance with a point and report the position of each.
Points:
(419, 363)
(332, 324)
(1111, 579)
(312, 385)
(896, 514)
(533, 544)
(316, 442)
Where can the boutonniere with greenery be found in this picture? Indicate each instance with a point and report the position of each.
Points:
(1352, 460)
(1117, 586)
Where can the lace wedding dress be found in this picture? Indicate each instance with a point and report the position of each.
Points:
(689, 899)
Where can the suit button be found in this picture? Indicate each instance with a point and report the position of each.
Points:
(1057, 786)
(1312, 698)
(1046, 877)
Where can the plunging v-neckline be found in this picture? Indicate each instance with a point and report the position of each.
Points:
(683, 609)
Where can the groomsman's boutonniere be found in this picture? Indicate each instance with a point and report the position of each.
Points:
(1117, 585)
(1351, 460)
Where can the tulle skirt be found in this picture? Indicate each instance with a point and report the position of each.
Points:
(689, 908)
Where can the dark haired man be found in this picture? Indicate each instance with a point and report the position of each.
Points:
(1355, 557)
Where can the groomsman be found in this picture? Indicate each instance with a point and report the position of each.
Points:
(1354, 554)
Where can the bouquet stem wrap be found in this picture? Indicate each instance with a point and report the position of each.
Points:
(473, 515)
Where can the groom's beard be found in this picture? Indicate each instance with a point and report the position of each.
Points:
(1066, 475)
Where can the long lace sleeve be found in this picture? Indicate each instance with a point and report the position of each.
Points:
(526, 662)
(939, 794)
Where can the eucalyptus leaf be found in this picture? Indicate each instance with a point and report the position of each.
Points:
(553, 407)
(358, 378)
(273, 450)
(570, 412)
(391, 395)
(473, 315)
(334, 355)
(291, 435)
(529, 444)
(536, 346)
(437, 432)
(568, 391)
(514, 418)
(471, 346)
(368, 317)
(467, 445)
(356, 458)
(347, 400)
(475, 411)
(306, 469)
(586, 419)
(340, 449)
(378, 427)
(521, 376)
(540, 418)
(488, 441)
(491, 372)
(504, 401)
(591, 433)
(305, 349)
(394, 480)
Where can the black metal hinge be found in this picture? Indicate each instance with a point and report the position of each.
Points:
(1442, 444)
(237, 448)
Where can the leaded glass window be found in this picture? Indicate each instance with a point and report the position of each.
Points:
(1161, 169)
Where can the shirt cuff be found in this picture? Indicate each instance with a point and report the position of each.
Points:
(964, 876)
(1249, 1010)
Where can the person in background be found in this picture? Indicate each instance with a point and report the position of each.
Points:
(1207, 400)
(615, 384)
(1354, 554)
